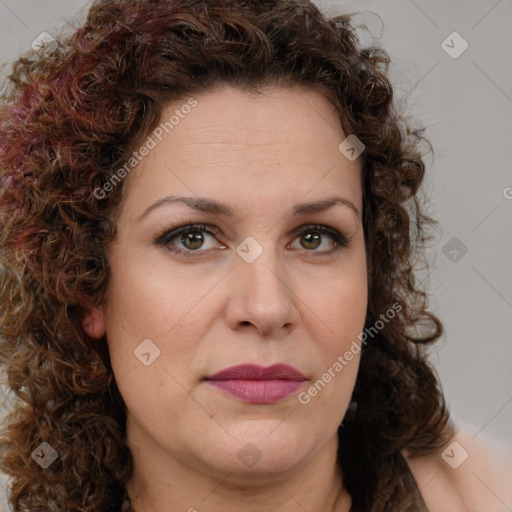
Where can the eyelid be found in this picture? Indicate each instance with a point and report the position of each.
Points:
(325, 229)
(170, 232)
(163, 236)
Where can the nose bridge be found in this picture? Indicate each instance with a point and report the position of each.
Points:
(265, 296)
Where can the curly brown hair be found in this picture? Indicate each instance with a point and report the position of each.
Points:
(70, 118)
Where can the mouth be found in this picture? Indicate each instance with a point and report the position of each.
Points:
(256, 384)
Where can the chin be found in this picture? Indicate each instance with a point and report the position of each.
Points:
(262, 447)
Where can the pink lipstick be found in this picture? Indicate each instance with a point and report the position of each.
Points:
(256, 384)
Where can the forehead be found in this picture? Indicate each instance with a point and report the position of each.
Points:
(275, 116)
(283, 141)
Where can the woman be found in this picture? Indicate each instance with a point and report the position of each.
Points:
(210, 214)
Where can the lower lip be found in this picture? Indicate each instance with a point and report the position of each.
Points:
(258, 391)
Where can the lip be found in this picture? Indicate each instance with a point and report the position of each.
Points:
(256, 372)
(257, 384)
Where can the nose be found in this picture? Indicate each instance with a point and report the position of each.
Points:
(262, 296)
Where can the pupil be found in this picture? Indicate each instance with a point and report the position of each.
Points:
(194, 237)
(311, 239)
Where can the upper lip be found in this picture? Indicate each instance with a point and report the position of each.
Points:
(256, 372)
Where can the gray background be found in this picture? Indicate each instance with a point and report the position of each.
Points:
(466, 105)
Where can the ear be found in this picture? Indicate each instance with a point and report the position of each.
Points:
(93, 323)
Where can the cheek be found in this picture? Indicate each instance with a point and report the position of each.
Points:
(150, 320)
(139, 297)
(342, 306)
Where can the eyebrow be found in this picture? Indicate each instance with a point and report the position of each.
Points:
(218, 208)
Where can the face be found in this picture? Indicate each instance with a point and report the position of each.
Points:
(258, 280)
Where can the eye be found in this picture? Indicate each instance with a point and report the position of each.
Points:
(191, 236)
(311, 238)
(192, 239)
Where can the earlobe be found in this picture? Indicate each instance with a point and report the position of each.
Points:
(94, 323)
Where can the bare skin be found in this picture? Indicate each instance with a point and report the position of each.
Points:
(471, 473)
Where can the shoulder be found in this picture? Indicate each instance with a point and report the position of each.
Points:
(468, 474)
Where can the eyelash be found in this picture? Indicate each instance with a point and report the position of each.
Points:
(164, 237)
